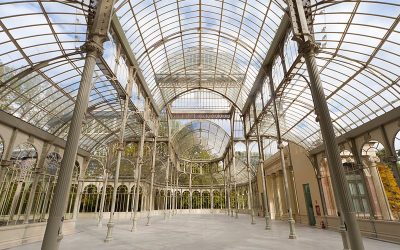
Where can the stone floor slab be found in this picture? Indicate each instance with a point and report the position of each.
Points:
(203, 232)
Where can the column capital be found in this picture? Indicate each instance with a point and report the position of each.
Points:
(92, 46)
(308, 46)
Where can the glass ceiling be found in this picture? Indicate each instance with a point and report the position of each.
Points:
(191, 49)
(359, 69)
(201, 101)
(182, 45)
(200, 140)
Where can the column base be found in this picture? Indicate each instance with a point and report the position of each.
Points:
(267, 223)
(148, 221)
(110, 226)
(345, 240)
(100, 223)
(133, 229)
(292, 234)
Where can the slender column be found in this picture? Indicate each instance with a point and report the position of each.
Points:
(292, 234)
(307, 48)
(139, 164)
(14, 202)
(212, 195)
(190, 188)
(221, 203)
(166, 188)
(235, 185)
(128, 199)
(153, 165)
(176, 198)
(4, 166)
(201, 200)
(23, 196)
(281, 192)
(320, 188)
(250, 197)
(230, 191)
(171, 196)
(4, 183)
(133, 197)
(93, 47)
(172, 188)
(391, 155)
(275, 195)
(103, 199)
(77, 199)
(48, 192)
(110, 224)
(225, 199)
(267, 215)
(181, 206)
(234, 166)
(343, 196)
(142, 201)
(37, 173)
(380, 190)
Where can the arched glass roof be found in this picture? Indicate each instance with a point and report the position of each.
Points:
(359, 69)
(200, 140)
(184, 45)
(190, 44)
(199, 101)
(41, 66)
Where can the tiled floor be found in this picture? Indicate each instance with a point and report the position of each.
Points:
(191, 232)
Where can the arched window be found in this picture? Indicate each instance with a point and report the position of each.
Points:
(196, 197)
(89, 199)
(217, 199)
(24, 158)
(122, 200)
(387, 190)
(186, 200)
(108, 199)
(355, 182)
(95, 169)
(178, 199)
(206, 202)
(52, 163)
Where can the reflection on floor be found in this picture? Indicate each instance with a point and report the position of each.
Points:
(191, 232)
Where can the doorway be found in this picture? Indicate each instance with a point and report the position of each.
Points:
(309, 205)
